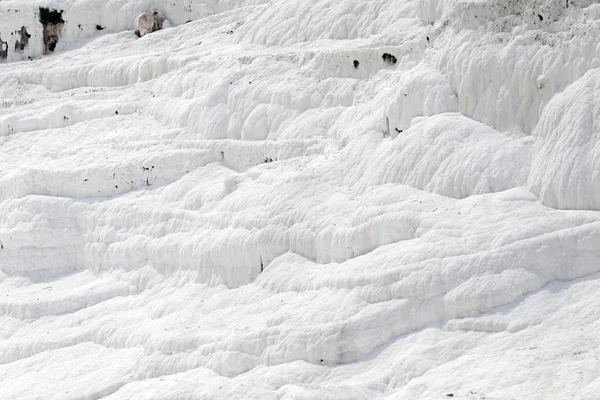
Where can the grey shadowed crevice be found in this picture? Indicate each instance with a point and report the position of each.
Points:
(23, 42)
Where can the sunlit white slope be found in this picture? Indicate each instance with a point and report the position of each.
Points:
(260, 204)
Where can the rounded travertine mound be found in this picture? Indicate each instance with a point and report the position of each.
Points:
(423, 91)
(451, 155)
(565, 170)
(149, 22)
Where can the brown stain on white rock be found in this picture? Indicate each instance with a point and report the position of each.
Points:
(149, 22)
(52, 33)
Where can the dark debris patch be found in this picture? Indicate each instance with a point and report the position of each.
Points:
(389, 58)
(51, 16)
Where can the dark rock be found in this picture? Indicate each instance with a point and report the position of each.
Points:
(389, 58)
(149, 22)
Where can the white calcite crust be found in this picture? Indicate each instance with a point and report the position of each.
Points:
(293, 199)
